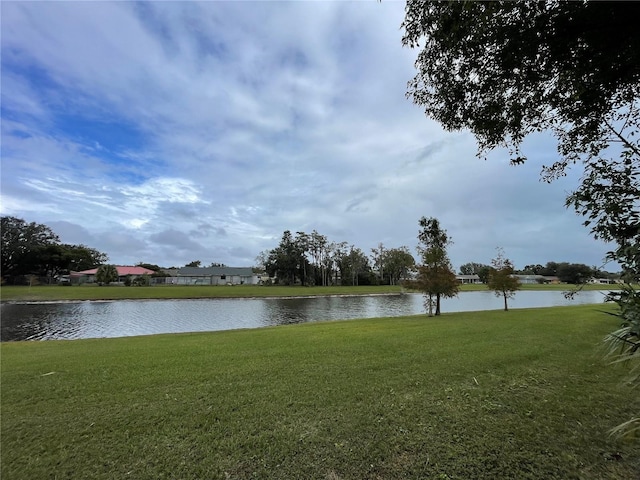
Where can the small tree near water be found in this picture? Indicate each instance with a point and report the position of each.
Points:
(436, 277)
(501, 279)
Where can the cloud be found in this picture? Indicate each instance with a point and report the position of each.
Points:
(166, 131)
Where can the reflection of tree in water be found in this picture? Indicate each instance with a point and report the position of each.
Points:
(43, 321)
(286, 311)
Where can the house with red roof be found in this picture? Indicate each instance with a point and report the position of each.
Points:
(89, 276)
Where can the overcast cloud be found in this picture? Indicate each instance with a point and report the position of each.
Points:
(178, 131)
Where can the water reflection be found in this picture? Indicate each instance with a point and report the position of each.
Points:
(45, 321)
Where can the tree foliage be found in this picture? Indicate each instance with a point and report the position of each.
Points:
(436, 277)
(106, 274)
(501, 279)
(471, 268)
(504, 70)
(20, 241)
(81, 257)
(575, 273)
(141, 281)
(398, 262)
(507, 69)
(474, 268)
(157, 270)
(285, 261)
(609, 197)
(377, 258)
(353, 265)
(311, 259)
(623, 346)
(34, 249)
(532, 269)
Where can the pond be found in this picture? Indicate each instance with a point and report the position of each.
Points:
(121, 318)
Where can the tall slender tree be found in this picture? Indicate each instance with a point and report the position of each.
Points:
(377, 256)
(501, 279)
(436, 277)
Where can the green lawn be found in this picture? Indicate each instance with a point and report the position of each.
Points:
(488, 395)
(115, 292)
(93, 292)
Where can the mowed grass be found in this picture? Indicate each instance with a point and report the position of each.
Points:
(45, 293)
(116, 292)
(489, 395)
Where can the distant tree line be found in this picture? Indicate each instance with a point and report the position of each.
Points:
(198, 264)
(312, 259)
(33, 249)
(574, 273)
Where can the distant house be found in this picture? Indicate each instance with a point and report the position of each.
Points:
(536, 279)
(604, 281)
(529, 279)
(467, 279)
(89, 276)
(213, 276)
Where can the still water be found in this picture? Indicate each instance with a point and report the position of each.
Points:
(92, 319)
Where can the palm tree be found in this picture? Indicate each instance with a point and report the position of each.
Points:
(106, 274)
(623, 346)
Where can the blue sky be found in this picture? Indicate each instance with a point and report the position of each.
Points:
(168, 132)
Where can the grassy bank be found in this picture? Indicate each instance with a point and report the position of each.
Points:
(93, 292)
(114, 292)
(486, 395)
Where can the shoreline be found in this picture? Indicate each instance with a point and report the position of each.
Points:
(54, 295)
(252, 297)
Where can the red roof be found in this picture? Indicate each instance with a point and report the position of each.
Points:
(123, 270)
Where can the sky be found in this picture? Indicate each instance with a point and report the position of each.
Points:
(168, 132)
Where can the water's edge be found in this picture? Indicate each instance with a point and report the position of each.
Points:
(52, 320)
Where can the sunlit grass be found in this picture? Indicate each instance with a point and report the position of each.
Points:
(486, 395)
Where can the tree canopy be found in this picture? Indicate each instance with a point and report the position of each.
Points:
(19, 242)
(398, 262)
(475, 268)
(30, 248)
(507, 69)
(504, 70)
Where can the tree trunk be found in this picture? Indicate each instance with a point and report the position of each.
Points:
(506, 309)
(438, 304)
